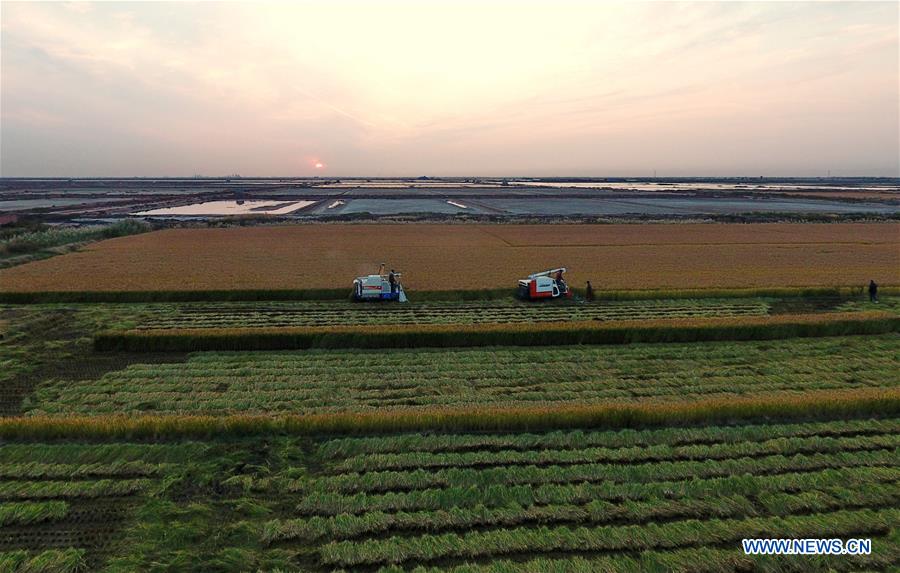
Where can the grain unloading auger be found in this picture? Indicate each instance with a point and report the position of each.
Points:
(544, 285)
(383, 286)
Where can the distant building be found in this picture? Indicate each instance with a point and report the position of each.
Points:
(8, 219)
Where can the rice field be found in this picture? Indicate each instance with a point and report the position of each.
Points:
(666, 499)
(64, 507)
(474, 257)
(325, 381)
(589, 501)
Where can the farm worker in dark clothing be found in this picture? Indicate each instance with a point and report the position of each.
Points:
(560, 282)
(873, 291)
(589, 292)
(393, 280)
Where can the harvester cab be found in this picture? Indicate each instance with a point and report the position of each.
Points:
(544, 285)
(383, 286)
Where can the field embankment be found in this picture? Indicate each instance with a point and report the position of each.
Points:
(440, 258)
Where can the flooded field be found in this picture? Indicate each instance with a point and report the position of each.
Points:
(680, 186)
(47, 203)
(677, 205)
(524, 205)
(310, 198)
(231, 208)
(390, 206)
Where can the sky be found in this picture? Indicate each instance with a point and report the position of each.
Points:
(455, 88)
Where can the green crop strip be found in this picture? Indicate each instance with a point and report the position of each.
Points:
(117, 453)
(232, 503)
(593, 512)
(692, 560)
(784, 446)
(69, 489)
(35, 470)
(382, 481)
(23, 513)
(348, 447)
(49, 561)
(648, 536)
(498, 495)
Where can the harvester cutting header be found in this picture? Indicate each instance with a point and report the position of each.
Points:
(383, 286)
(544, 285)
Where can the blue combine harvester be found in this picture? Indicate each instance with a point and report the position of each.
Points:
(383, 286)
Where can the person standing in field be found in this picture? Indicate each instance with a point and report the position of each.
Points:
(589, 292)
(393, 280)
(873, 291)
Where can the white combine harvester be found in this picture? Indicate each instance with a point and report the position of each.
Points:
(544, 285)
(378, 287)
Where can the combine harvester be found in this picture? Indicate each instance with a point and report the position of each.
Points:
(545, 285)
(378, 287)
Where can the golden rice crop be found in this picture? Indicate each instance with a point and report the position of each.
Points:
(472, 257)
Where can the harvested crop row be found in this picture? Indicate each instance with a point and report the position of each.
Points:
(116, 453)
(37, 470)
(360, 517)
(384, 481)
(337, 381)
(347, 447)
(70, 560)
(649, 536)
(81, 495)
(782, 446)
(227, 497)
(691, 560)
(300, 314)
(442, 336)
(23, 513)
(68, 489)
(499, 495)
(594, 512)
